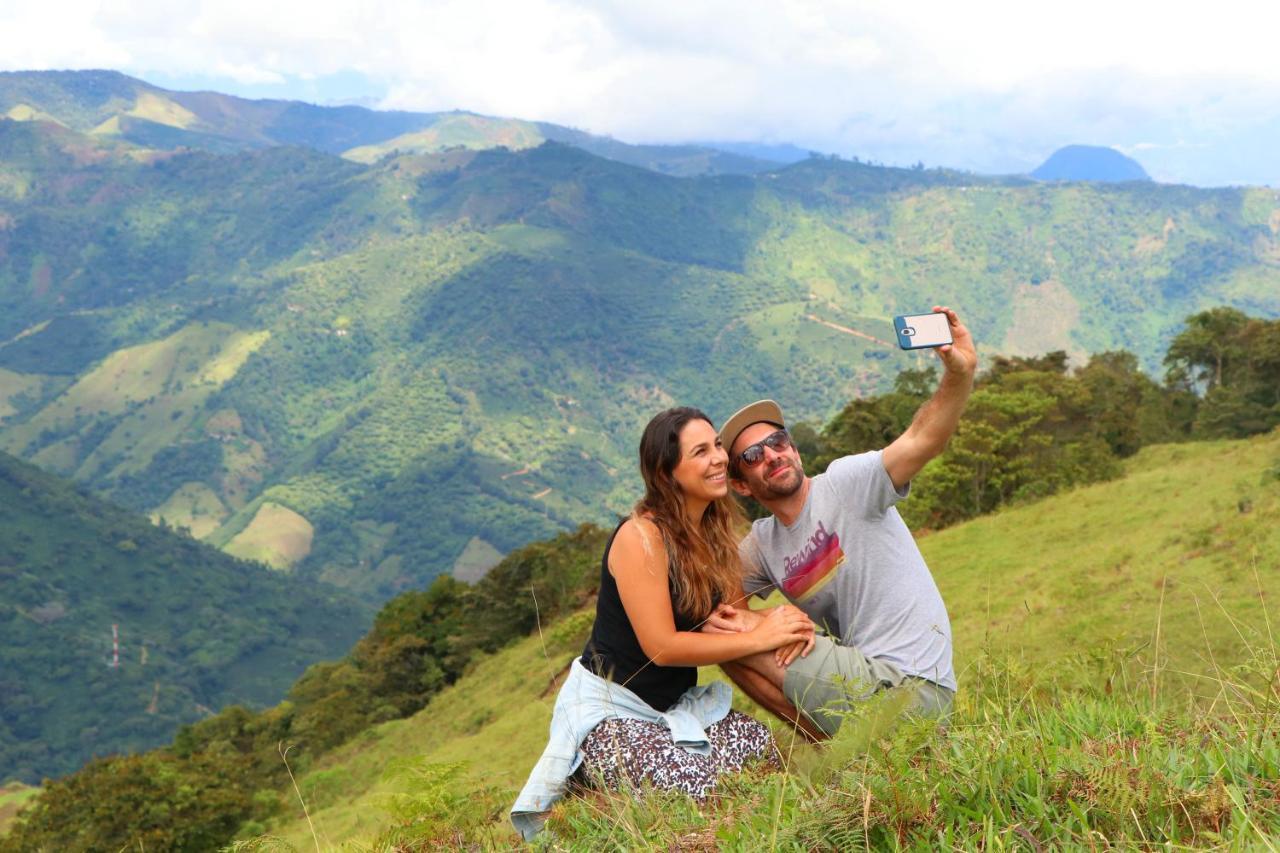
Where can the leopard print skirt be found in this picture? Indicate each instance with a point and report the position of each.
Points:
(623, 754)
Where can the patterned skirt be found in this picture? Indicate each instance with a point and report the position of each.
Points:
(622, 754)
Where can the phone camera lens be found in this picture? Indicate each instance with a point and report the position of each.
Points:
(908, 331)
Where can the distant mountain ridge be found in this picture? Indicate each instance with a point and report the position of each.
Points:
(784, 153)
(1090, 163)
(114, 105)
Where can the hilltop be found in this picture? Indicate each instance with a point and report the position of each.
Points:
(1090, 163)
(376, 373)
(196, 629)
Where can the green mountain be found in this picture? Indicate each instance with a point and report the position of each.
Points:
(378, 373)
(111, 106)
(192, 629)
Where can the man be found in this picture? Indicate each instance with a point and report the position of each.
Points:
(836, 548)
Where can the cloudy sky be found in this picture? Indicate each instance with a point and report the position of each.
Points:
(988, 85)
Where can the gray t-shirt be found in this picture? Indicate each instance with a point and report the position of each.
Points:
(850, 562)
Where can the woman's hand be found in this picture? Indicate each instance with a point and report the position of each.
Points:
(785, 655)
(727, 619)
(782, 627)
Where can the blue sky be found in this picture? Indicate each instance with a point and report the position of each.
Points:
(1194, 94)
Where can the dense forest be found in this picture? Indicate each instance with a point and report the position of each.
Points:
(194, 629)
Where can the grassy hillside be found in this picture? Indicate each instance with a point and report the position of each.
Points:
(1081, 620)
(197, 630)
(449, 351)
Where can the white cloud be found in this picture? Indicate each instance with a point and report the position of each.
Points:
(991, 85)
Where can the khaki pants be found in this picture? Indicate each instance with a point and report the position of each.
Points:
(835, 678)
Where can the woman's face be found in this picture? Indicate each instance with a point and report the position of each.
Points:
(702, 471)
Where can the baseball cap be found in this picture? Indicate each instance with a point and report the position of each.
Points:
(766, 411)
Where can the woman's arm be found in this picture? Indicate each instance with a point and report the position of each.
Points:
(638, 563)
(735, 616)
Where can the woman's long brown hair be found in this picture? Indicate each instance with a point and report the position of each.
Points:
(703, 559)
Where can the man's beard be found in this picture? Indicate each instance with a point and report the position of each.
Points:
(770, 489)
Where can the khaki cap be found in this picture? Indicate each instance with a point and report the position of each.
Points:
(761, 411)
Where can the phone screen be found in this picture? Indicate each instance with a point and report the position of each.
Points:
(927, 330)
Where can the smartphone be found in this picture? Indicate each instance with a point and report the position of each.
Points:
(918, 331)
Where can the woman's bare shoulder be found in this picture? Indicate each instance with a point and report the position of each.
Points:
(638, 542)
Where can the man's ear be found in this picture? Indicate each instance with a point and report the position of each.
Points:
(740, 486)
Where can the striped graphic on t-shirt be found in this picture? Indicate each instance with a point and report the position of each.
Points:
(809, 571)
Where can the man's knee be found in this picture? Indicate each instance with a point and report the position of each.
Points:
(762, 665)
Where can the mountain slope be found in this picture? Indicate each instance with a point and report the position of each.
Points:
(445, 354)
(1166, 568)
(197, 630)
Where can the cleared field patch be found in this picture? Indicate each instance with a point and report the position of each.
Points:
(109, 127)
(1044, 316)
(13, 796)
(468, 131)
(15, 385)
(234, 352)
(194, 506)
(243, 462)
(277, 536)
(476, 560)
(161, 110)
(26, 112)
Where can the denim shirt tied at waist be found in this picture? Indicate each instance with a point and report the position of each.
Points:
(585, 701)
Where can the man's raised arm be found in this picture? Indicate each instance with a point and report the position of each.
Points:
(936, 420)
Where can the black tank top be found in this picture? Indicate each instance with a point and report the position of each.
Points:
(614, 652)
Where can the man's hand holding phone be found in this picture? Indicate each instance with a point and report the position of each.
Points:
(941, 331)
(959, 356)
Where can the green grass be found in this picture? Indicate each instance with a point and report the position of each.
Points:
(1018, 766)
(1165, 564)
(13, 796)
(1118, 685)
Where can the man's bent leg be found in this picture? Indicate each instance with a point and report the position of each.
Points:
(760, 677)
(833, 678)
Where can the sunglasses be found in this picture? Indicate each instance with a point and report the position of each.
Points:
(754, 455)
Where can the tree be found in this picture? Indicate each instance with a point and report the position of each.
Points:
(1203, 353)
(1234, 360)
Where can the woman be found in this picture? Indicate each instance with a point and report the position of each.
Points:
(630, 711)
